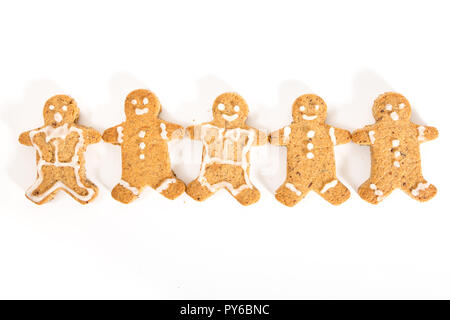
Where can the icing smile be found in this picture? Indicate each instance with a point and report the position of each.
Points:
(141, 111)
(306, 117)
(230, 118)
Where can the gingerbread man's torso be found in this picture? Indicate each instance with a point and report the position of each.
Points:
(145, 155)
(226, 157)
(310, 152)
(58, 146)
(394, 149)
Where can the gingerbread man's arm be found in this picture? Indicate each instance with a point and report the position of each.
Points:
(339, 136)
(361, 136)
(260, 137)
(113, 135)
(170, 131)
(25, 138)
(194, 132)
(426, 133)
(280, 137)
(90, 135)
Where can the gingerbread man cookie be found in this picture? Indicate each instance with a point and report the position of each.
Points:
(227, 140)
(394, 145)
(310, 153)
(60, 145)
(143, 138)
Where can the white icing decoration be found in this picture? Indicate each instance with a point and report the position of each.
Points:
(145, 101)
(126, 185)
(141, 145)
(225, 136)
(236, 108)
(141, 134)
(286, 133)
(230, 118)
(310, 146)
(317, 107)
(395, 143)
(372, 136)
(120, 134)
(163, 131)
(59, 133)
(310, 134)
(389, 107)
(302, 108)
(221, 107)
(310, 155)
(306, 117)
(329, 185)
(420, 186)
(134, 101)
(332, 136)
(397, 164)
(421, 130)
(394, 116)
(58, 117)
(291, 187)
(64, 108)
(142, 156)
(51, 107)
(397, 154)
(141, 111)
(377, 192)
(165, 184)
(401, 106)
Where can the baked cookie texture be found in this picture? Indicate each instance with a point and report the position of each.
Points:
(143, 139)
(310, 153)
(227, 141)
(394, 146)
(60, 145)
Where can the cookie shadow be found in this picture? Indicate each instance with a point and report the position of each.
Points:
(270, 160)
(186, 155)
(22, 115)
(112, 113)
(353, 161)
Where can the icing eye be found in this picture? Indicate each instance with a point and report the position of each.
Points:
(134, 101)
(64, 108)
(145, 101)
(317, 107)
(388, 107)
(51, 107)
(236, 108)
(221, 107)
(302, 108)
(401, 106)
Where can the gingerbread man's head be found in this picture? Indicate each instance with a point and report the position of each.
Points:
(142, 105)
(309, 108)
(59, 110)
(230, 109)
(391, 107)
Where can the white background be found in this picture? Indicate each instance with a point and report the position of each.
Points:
(189, 52)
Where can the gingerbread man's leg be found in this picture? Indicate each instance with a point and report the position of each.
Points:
(417, 187)
(376, 189)
(198, 191)
(170, 187)
(244, 191)
(45, 181)
(334, 191)
(79, 188)
(290, 192)
(125, 192)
